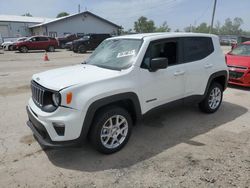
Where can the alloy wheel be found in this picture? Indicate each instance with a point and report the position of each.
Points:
(214, 98)
(114, 131)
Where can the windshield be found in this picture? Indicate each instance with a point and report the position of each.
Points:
(115, 54)
(241, 50)
(22, 39)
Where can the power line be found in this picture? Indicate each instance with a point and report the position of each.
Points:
(204, 12)
(119, 13)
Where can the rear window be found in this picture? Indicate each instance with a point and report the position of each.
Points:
(197, 48)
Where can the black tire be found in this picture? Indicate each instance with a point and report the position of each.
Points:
(51, 49)
(10, 48)
(23, 49)
(62, 45)
(205, 104)
(82, 49)
(101, 119)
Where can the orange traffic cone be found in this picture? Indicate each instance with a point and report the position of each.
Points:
(46, 58)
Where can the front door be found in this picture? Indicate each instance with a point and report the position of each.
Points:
(164, 85)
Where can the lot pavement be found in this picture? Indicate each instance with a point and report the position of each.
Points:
(175, 147)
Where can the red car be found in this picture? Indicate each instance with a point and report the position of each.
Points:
(238, 62)
(37, 43)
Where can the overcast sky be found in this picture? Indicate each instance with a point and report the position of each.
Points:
(177, 13)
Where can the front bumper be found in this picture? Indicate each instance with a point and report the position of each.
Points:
(45, 125)
(42, 135)
(239, 77)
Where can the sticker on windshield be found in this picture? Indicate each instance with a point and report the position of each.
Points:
(126, 53)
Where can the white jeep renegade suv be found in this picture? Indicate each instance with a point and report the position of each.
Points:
(124, 78)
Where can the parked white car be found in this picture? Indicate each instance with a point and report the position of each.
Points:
(8, 45)
(123, 79)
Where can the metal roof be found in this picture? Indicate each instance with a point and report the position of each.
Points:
(73, 15)
(27, 19)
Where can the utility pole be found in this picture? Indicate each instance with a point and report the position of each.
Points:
(79, 8)
(212, 22)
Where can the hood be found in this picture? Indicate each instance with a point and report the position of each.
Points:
(9, 42)
(243, 61)
(61, 78)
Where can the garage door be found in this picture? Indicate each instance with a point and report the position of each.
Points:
(4, 31)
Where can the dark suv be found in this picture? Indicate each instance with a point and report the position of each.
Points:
(37, 43)
(67, 38)
(89, 42)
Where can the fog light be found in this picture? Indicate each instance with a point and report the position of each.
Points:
(59, 128)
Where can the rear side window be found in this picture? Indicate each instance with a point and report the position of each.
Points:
(42, 39)
(197, 48)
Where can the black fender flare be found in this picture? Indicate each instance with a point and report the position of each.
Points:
(214, 76)
(105, 101)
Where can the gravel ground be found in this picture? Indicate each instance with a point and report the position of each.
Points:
(175, 147)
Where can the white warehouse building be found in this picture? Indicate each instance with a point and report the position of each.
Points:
(12, 26)
(81, 23)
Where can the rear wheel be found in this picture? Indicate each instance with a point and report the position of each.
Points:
(213, 99)
(23, 49)
(62, 45)
(111, 129)
(82, 49)
(51, 49)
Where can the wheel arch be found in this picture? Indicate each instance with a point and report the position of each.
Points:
(129, 101)
(24, 46)
(221, 77)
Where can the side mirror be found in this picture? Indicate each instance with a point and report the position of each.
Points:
(158, 63)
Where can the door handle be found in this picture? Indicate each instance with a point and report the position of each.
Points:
(208, 66)
(179, 73)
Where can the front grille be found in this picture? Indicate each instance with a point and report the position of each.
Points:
(37, 94)
(235, 75)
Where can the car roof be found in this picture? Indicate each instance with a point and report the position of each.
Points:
(162, 35)
(247, 42)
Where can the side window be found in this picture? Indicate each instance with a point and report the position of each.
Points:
(43, 39)
(34, 39)
(168, 49)
(197, 48)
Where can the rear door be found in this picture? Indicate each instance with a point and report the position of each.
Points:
(196, 57)
(43, 43)
(93, 42)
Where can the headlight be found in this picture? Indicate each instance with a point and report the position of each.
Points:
(56, 98)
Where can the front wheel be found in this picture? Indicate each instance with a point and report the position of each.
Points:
(213, 99)
(82, 49)
(111, 129)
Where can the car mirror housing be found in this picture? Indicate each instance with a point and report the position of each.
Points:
(158, 63)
